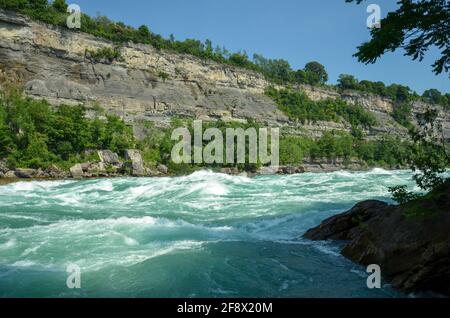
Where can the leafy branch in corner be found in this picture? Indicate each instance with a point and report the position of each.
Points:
(416, 26)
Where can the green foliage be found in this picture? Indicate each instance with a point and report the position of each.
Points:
(388, 151)
(164, 76)
(433, 96)
(401, 195)
(60, 6)
(402, 114)
(398, 93)
(347, 81)
(430, 154)
(428, 205)
(280, 71)
(298, 106)
(105, 55)
(34, 135)
(318, 73)
(416, 26)
(293, 149)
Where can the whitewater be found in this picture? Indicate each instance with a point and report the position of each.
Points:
(202, 235)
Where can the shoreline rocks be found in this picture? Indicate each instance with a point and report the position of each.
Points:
(137, 164)
(110, 165)
(413, 252)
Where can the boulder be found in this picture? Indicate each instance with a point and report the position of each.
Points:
(109, 158)
(137, 164)
(163, 169)
(413, 251)
(77, 171)
(9, 174)
(230, 171)
(289, 170)
(150, 173)
(3, 166)
(54, 172)
(85, 166)
(266, 171)
(25, 173)
(96, 168)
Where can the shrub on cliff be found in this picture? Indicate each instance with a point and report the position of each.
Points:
(298, 106)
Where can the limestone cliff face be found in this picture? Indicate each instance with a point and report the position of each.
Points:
(51, 63)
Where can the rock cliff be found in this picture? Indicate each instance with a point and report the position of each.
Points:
(149, 84)
(413, 250)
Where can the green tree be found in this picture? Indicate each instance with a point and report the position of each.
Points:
(144, 32)
(40, 5)
(346, 81)
(435, 97)
(416, 26)
(317, 72)
(60, 6)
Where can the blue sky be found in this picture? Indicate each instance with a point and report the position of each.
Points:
(327, 31)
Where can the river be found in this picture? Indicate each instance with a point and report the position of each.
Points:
(202, 235)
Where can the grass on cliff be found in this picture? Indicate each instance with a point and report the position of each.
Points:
(298, 106)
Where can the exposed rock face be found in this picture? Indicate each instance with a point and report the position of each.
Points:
(137, 164)
(413, 253)
(50, 63)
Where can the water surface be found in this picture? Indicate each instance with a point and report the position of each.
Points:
(203, 235)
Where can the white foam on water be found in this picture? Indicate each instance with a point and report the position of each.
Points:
(24, 263)
(9, 244)
(31, 186)
(122, 222)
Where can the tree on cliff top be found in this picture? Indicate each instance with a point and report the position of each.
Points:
(60, 6)
(416, 26)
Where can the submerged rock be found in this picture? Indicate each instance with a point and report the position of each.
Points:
(413, 252)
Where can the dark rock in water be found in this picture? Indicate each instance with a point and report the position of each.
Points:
(413, 252)
(289, 170)
(230, 171)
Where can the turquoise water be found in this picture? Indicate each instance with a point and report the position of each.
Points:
(203, 235)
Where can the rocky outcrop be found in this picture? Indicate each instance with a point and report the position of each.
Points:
(76, 171)
(412, 251)
(137, 164)
(51, 63)
(108, 157)
(26, 173)
(163, 169)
